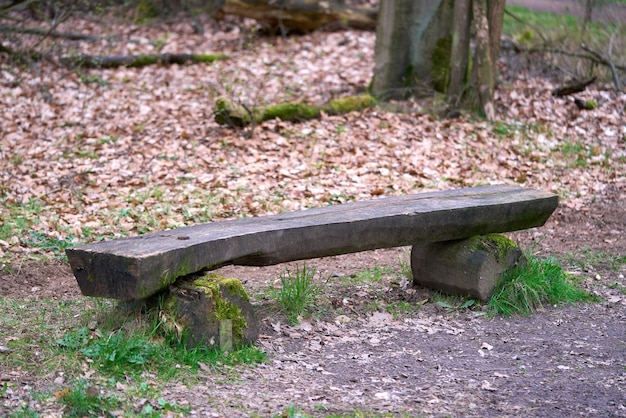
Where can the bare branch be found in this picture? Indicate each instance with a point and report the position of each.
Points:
(46, 32)
(606, 61)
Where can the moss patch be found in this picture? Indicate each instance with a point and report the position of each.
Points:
(213, 285)
(502, 244)
(440, 70)
(196, 307)
(229, 113)
(350, 104)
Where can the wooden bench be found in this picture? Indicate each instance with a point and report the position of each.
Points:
(138, 267)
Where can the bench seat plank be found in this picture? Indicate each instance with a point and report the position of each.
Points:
(137, 267)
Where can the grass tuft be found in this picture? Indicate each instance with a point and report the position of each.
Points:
(528, 287)
(82, 400)
(299, 292)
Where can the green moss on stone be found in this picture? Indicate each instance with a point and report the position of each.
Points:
(211, 284)
(501, 243)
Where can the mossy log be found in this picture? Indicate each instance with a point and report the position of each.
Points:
(230, 113)
(302, 15)
(199, 308)
(115, 61)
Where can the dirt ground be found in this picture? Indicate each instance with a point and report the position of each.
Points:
(563, 361)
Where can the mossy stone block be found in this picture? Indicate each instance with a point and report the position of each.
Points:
(196, 308)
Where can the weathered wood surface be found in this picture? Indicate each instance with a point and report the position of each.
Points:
(134, 268)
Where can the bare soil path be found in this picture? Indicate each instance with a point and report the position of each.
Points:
(561, 362)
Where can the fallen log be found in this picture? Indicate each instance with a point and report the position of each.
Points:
(301, 15)
(230, 113)
(572, 88)
(115, 61)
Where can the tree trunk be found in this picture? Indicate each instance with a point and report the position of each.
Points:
(233, 114)
(423, 46)
(487, 19)
(460, 50)
(115, 61)
(496, 20)
(412, 47)
(483, 76)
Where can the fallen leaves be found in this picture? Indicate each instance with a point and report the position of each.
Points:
(109, 153)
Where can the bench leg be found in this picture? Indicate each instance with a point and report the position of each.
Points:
(465, 267)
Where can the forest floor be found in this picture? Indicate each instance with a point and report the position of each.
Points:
(98, 154)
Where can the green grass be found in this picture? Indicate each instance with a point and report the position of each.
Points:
(20, 225)
(524, 27)
(18, 218)
(399, 308)
(54, 245)
(298, 292)
(293, 411)
(454, 303)
(529, 287)
(561, 32)
(370, 275)
(83, 399)
(147, 345)
(587, 259)
(109, 344)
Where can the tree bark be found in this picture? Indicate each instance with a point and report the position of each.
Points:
(483, 76)
(460, 50)
(412, 47)
(496, 20)
(450, 46)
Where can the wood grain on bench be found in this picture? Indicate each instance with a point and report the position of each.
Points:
(137, 267)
